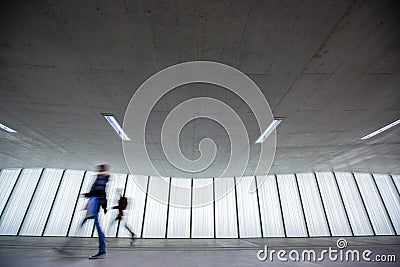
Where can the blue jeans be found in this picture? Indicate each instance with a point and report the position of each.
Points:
(102, 238)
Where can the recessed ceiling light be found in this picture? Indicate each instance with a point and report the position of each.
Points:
(114, 123)
(7, 129)
(268, 131)
(381, 130)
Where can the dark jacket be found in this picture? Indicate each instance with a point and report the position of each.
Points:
(99, 188)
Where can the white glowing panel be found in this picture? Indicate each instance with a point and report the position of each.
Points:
(390, 197)
(375, 208)
(271, 215)
(354, 206)
(380, 130)
(8, 178)
(155, 220)
(292, 211)
(312, 204)
(61, 214)
(179, 208)
(80, 211)
(19, 200)
(225, 208)
(7, 129)
(39, 210)
(202, 209)
(133, 216)
(396, 180)
(334, 208)
(248, 212)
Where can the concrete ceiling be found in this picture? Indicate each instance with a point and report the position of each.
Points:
(330, 68)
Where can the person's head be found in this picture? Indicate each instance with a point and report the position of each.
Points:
(102, 168)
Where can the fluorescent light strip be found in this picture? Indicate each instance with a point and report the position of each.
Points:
(113, 122)
(381, 130)
(269, 130)
(7, 129)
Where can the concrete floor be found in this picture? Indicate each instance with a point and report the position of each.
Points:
(42, 251)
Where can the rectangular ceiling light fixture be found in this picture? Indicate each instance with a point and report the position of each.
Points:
(381, 130)
(7, 129)
(269, 130)
(114, 123)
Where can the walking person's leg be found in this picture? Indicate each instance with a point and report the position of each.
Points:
(102, 239)
(133, 235)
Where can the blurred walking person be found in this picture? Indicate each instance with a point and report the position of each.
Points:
(98, 198)
(122, 205)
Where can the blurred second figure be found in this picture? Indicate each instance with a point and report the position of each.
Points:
(122, 205)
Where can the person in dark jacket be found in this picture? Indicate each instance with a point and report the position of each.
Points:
(98, 194)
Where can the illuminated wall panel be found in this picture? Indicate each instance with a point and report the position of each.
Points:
(391, 198)
(61, 214)
(374, 204)
(271, 214)
(48, 202)
(336, 214)
(225, 208)
(354, 204)
(396, 180)
(179, 208)
(248, 212)
(80, 211)
(156, 208)
(291, 206)
(8, 178)
(136, 194)
(312, 204)
(202, 209)
(14, 212)
(41, 203)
